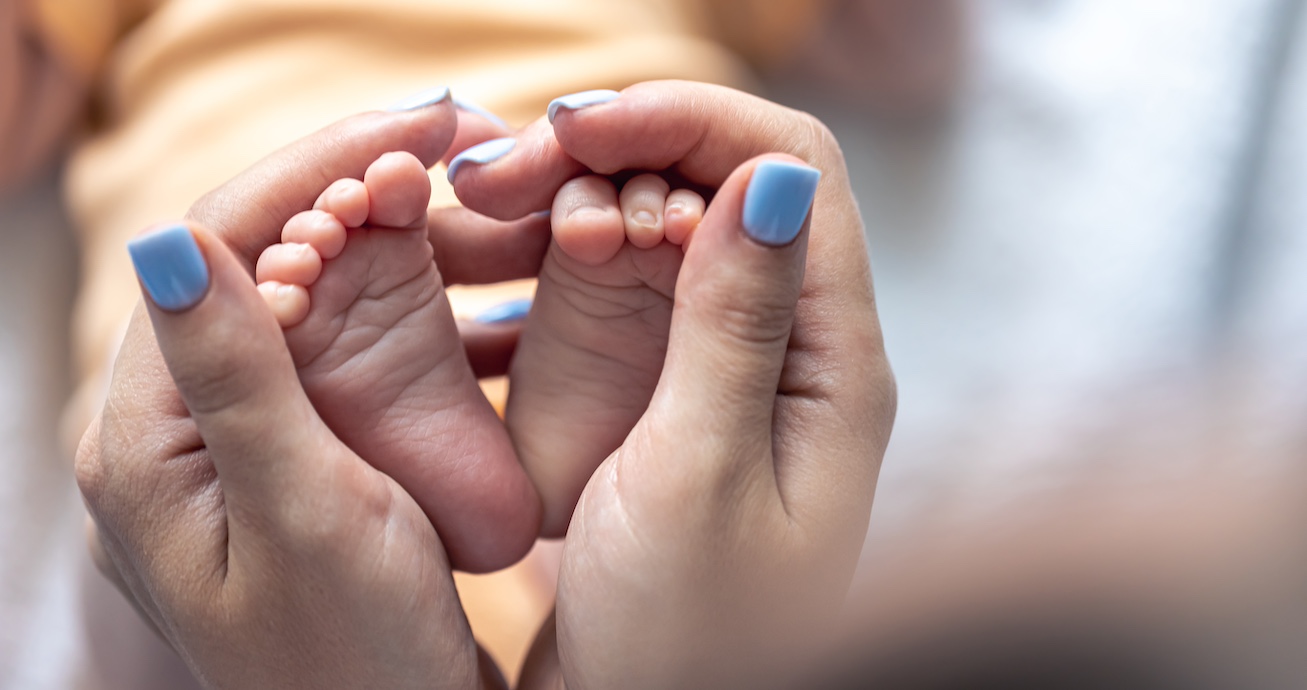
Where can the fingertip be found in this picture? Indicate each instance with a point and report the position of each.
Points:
(420, 100)
(470, 106)
(171, 266)
(578, 101)
(778, 200)
(484, 153)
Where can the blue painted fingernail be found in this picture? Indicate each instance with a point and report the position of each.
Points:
(584, 99)
(469, 106)
(778, 201)
(507, 312)
(171, 267)
(421, 99)
(484, 152)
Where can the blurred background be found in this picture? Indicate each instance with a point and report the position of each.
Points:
(1087, 222)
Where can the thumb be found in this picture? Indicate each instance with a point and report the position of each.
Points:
(735, 302)
(229, 361)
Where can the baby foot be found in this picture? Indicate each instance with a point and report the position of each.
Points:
(593, 346)
(370, 329)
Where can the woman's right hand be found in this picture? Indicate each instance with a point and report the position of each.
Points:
(260, 547)
(713, 547)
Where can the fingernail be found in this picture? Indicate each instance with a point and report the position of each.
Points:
(584, 99)
(778, 201)
(484, 152)
(421, 99)
(469, 106)
(507, 312)
(171, 267)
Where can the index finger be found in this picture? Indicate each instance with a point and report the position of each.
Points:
(700, 132)
(248, 212)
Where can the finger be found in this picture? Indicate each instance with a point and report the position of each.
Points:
(509, 181)
(735, 302)
(587, 220)
(226, 354)
(490, 346)
(471, 249)
(644, 199)
(700, 132)
(248, 212)
(475, 125)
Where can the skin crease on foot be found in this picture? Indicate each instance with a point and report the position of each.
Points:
(370, 329)
(616, 249)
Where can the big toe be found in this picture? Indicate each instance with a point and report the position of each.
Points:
(398, 191)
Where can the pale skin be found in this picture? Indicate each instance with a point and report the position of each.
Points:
(750, 476)
(224, 536)
(608, 262)
(760, 447)
(378, 352)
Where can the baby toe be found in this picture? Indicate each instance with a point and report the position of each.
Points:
(587, 220)
(683, 213)
(294, 263)
(347, 200)
(643, 201)
(318, 229)
(399, 191)
(289, 303)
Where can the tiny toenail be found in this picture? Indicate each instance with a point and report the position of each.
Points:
(778, 200)
(471, 107)
(482, 153)
(645, 218)
(421, 99)
(584, 99)
(171, 267)
(507, 312)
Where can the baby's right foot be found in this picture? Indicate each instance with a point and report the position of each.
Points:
(592, 350)
(370, 329)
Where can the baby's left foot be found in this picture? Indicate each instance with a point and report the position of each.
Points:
(371, 332)
(593, 346)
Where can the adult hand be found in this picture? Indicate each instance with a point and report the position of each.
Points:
(723, 533)
(263, 550)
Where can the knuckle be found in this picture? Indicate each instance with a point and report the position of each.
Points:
(224, 379)
(761, 323)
